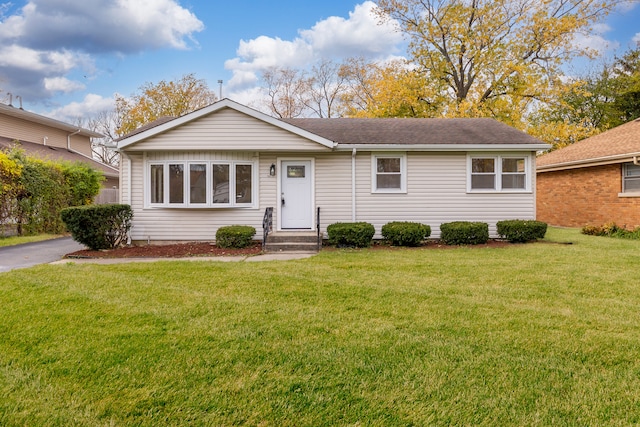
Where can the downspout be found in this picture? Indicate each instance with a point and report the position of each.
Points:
(353, 185)
(69, 138)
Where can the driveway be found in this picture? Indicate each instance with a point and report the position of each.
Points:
(30, 254)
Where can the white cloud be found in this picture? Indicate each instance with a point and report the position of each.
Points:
(595, 41)
(62, 84)
(333, 38)
(90, 106)
(44, 41)
(636, 38)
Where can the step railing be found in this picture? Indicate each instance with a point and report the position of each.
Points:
(318, 229)
(267, 225)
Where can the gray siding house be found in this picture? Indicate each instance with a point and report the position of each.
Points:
(227, 163)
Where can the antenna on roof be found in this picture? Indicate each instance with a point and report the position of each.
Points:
(10, 99)
(20, 98)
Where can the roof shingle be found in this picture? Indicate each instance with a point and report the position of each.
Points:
(614, 146)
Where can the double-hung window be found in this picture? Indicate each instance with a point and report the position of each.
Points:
(389, 173)
(630, 178)
(498, 173)
(201, 184)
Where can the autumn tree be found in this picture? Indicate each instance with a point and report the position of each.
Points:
(493, 58)
(152, 101)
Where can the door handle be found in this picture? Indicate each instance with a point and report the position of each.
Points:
(282, 199)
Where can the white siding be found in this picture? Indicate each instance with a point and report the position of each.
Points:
(436, 193)
(228, 129)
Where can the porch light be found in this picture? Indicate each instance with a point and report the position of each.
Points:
(272, 170)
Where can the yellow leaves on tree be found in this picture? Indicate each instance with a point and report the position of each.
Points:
(494, 58)
(153, 101)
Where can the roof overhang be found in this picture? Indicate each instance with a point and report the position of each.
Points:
(443, 147)
(225, 103)
(19, 113)
(599, 161)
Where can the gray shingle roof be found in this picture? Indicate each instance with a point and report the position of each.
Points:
(412, 131)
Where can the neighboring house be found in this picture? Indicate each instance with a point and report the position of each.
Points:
(226, 163)
(593, 181)
(50, 139)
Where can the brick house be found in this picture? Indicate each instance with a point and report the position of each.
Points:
(592, 182)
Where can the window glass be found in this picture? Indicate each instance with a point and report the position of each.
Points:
(243, 184)
(483, 166)
(198, 183)
(220, 183)
(176, 183)
(391, 165)
(483, 174)
(296, 171)
(631, 178)
(513, 174)
(157, 183)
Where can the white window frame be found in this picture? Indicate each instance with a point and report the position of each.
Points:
(625, 166)
(186, 203)
(403, 172)
(497, 161)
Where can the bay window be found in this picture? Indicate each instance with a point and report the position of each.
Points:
(201, 184)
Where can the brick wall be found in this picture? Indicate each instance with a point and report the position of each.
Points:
(586, 196)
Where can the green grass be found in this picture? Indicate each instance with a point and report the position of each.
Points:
(537, 334)
(18, 240)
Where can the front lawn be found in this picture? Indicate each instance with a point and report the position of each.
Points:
(536, 334)
(19, 240)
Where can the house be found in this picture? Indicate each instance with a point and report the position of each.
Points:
(593, 181)
(227, 163)
(50, 139)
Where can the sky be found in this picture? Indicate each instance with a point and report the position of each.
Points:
(67, 59)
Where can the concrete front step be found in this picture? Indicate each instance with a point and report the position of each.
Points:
(292, 241)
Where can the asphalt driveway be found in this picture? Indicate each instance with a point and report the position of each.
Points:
(30, 254)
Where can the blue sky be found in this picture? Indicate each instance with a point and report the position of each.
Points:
(67, 59)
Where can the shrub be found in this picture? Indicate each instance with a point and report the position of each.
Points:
(351, 234)
(464, 233)
(610, 229)
(405, 233)
(235, 236)
(521, 230)
(98, 226)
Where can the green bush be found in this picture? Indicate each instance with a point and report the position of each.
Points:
(401, 233)
(521, 230)
(351, 234)
(98, 226)
(235, 236)
(464, 233)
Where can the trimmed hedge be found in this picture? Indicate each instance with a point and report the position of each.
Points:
(402, 233)
(521, 230)
(235, 236)
(351, 234)
(98, 226)
(464, 233)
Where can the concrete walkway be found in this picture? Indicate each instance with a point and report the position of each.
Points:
(255, 258)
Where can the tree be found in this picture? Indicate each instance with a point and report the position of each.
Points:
(107, 123)
(324, 88)
(173, 98)
(494, 58)
(286, 89)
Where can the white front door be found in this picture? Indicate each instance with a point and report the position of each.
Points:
(296, 208)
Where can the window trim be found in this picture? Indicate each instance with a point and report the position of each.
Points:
(403, 173)
(497, 162)
(186, 203)
(624, 192)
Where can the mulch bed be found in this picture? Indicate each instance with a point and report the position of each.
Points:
(203, 249)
